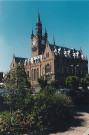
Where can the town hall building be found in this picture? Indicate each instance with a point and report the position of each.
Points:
(50, 60)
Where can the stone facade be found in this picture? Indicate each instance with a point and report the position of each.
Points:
(51, 61)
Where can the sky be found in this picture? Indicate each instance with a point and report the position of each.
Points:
(68, 21)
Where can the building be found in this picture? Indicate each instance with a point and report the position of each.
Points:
(51, 61)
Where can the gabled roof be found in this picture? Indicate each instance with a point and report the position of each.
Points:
(19, 59)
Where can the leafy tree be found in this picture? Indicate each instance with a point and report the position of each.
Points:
(16, 85)
(48, 90)
(83, 83)
(87, 79)
(54, 84)
(72, 82)
(42, 82)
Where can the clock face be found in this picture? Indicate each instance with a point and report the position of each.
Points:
(43, 42)
(34, 42)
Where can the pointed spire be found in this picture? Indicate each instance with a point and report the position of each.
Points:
(13, 55)
(45, 32)
(53, 40)
(32, 33)
(38, 16)
(80, 50)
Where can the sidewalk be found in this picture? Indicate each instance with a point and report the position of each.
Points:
(77, 128)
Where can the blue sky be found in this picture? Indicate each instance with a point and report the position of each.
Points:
(68, 21)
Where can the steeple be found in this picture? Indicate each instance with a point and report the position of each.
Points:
(38, 17)
(53, 40)
(46, 35)
(32, 34)
(38, 26)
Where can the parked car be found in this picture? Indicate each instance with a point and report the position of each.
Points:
(66, 91)
(59, 91)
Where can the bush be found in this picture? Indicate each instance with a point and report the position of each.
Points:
(49, 90)
(72, 82)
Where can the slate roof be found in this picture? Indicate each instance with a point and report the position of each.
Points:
(52, 47)
(19, 59)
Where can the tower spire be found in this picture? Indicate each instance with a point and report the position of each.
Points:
(38, 16)
(32, 33)
(38, 26)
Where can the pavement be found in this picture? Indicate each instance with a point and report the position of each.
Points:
(80, 123)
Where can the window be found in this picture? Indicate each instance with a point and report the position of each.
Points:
(48, 72)
(27, 73)
(37, 72)
(47, 55)
(47, 68)
(32, 75)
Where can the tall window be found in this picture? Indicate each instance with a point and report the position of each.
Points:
(37, 72)
(47, 55)
(48, 72)
(27, 73)
(32, 75)
(47, 68)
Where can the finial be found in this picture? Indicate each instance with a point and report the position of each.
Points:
(38, 16)
(45, 30)
(53, 40)
(80, 50)
(32, 33)
(13, 55)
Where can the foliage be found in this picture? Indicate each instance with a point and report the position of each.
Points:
(72, 82)
(29, 102)
(42, 82)
(49, 90)
(51, 109)
(59, 108)
(16, 85)
(83, 83)
(87, 79)
(17, 123)
(54, 84)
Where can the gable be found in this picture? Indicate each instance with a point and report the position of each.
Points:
(48, 53)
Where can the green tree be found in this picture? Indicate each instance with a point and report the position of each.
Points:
(54, 84)
(83, 83)
(72, 82)
(87, 78)
(42, 82)
(16, 85)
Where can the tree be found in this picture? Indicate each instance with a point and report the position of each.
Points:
(54, 84)
(42, 82)
(83, 83)
(72, 82)
(87, 79)
(16, 85)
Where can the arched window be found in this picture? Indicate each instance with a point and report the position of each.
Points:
(37, 72)
(48, 72)
(47, 68)
(32, 75)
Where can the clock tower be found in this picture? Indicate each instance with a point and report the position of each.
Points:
(38, 42)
